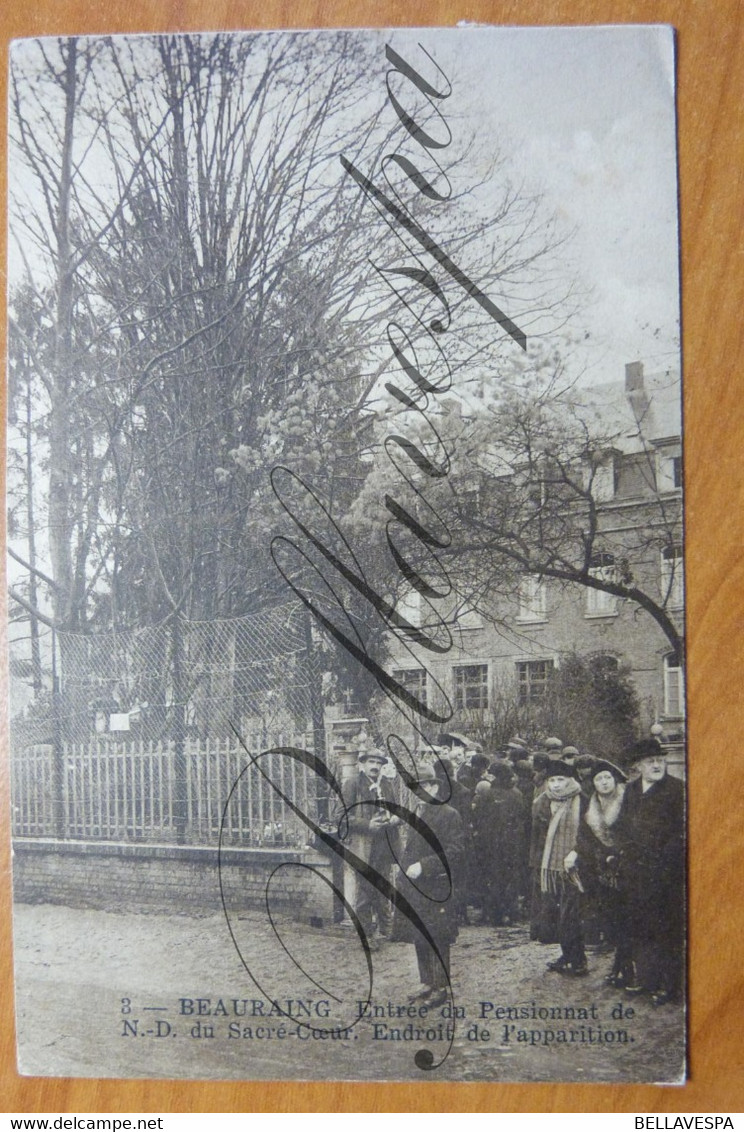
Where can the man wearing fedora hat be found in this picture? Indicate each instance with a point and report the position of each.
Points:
(367, 826)
(650, 832)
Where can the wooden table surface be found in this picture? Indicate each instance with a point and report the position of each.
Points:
(711, 125)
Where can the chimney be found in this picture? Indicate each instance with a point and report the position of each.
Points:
(635, 390)
(633, 376)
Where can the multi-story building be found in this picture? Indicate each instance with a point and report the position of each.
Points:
(512, 649)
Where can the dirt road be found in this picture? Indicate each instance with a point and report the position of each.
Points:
(104, 994)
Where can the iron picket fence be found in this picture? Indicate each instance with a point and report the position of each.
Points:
(141, 791)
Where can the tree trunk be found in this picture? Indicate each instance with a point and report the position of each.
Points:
(31, 522)
(60, 469)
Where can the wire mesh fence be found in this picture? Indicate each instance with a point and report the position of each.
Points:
(136, 735)
(198, 678)
(204, 677)
(150, 735)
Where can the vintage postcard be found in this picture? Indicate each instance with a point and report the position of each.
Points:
(346, 556)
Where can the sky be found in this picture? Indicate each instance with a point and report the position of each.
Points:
(587, 115)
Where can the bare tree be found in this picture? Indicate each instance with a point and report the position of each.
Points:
(553, 479)
(213, 305)
(186, 249)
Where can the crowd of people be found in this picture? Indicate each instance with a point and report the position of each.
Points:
(590, 851)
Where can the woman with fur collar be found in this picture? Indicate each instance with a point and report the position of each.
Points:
(598, 863)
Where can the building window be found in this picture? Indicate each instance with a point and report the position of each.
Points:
(409, 605)
(677, 471)
(672, 577)
(471, 686)
(602, 478)
(674, 688)
(599, 603)
(636, 476)
(533, 677)
(470, 503)
(668, 470)
(413, 680)
(532, 598)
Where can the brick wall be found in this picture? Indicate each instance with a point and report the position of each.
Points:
(170, 879)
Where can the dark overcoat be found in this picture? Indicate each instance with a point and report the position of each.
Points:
(650, 835)
(598, 864)
(433, 895)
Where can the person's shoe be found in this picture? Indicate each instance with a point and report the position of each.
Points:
(579, 970)
(420, 995)
(660, 998)
(560, 965)
(437, 997)
(636, 988)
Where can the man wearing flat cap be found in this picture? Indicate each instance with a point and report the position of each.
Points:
(650, 834)
(366, 825)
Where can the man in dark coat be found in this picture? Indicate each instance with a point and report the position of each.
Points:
(481, 864)
(460, 798)
(650, 835)
(471, 773)
(452, 790)
(370, 830)
(525, 789)
(498, 821)
(429, 885)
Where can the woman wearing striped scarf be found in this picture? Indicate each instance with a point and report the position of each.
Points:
(556, 817)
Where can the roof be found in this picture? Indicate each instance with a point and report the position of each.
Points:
(634, 419)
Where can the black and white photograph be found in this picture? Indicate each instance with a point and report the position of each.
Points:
(345, 556)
